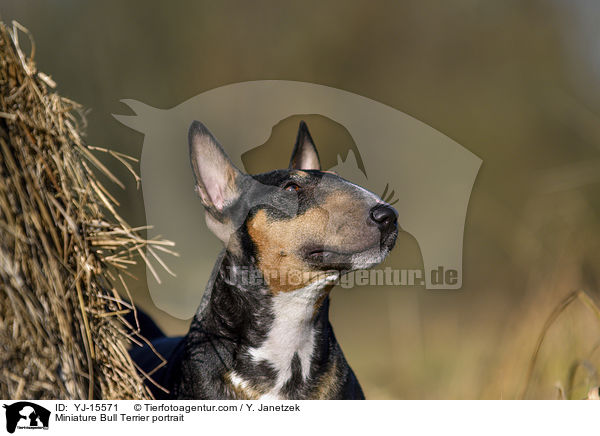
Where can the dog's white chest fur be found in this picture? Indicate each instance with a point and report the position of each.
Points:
(291, 333)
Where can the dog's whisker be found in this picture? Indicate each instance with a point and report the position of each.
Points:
(387, 185)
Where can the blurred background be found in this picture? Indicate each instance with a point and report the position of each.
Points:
(517, 83)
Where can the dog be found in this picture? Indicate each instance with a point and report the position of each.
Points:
(262, 329)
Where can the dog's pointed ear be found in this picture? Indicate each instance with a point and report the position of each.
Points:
(217, 178)
(304, 156)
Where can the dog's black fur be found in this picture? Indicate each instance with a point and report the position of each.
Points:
(300, 221)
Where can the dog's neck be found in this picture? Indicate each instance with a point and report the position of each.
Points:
(275, 343)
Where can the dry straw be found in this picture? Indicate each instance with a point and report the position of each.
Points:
(63, 248)
(566, 393)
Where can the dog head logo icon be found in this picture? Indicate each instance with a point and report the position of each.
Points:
(429, 175)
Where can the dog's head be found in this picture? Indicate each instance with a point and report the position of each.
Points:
(299, 225)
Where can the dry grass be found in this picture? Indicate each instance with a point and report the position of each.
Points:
(63, 247)
(567, 392)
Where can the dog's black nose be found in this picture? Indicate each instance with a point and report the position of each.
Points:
(384, 216)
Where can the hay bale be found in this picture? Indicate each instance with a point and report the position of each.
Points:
(63, 248)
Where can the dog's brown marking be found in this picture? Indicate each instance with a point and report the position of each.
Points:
(278, 243)
(326, 290)
(300, 173)
(248, 393)
(328, 384)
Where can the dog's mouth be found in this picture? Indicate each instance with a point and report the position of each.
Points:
(327, 258)
(330, 258)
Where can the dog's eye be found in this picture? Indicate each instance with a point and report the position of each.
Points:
(292, 187)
